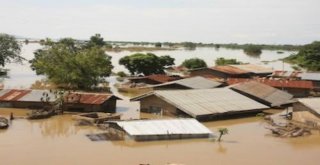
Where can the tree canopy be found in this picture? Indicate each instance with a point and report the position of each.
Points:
(194, 63)
(252, 50)
(225, 61)
(72, 65)
(308, 57)
(9, 50)
(146, 64)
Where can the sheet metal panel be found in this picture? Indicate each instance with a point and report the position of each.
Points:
(163, 127)
(36, 95)
(264, 92)
(208, 101)
(312, 103)
(253, 68)
(14, 95)
(310, 76)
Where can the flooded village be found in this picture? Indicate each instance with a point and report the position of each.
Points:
(167, 119)
(183, 82)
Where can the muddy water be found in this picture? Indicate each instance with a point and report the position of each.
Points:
(59, 141)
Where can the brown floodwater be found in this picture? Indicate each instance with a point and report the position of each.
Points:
(59, 141)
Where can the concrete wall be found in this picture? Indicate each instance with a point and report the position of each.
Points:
(154, 101)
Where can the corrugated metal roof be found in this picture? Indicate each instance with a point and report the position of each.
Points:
(36, 95)
(192, 83)
(253, 68)
(87, 98)
(198, 102)
(25, 95)
(264, 92)
(287, 74)
(310, 76)
(14, 94)
(161, 78)
(312, 103)
(229, 69)
(300, 84)
(163, 127)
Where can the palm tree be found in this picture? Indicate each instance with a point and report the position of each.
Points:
(222, 131)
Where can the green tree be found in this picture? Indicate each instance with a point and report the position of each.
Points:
(146, 63)
(222, 131)
(158, 45)
(68, 64)
(224, 61)
(122, 74)
(98, 41)
(194, 63)
(189, 45)
(308, 57)
(252, 50)
(9, 50)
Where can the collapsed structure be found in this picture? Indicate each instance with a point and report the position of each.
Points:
(307, 111)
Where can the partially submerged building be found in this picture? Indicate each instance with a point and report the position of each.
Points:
(298, 88)
(90, 102)
(143, 130)
(20, 98)
(189, 83)
(74, 101)
(314, 77)
(307, 111)
(232, 71)
(202, 104)
(264, 94)
(292, 75)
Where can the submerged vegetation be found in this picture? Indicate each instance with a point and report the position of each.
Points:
(225, 61)
(9, 50)
(194, 63)
(252, 50)
(146, 64)
(71, 64)
(308, 57)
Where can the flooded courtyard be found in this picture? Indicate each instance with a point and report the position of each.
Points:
(59, 141)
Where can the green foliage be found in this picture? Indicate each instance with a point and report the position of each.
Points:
(97, 41)
(194, 63)
(146, 63)
(189, 45)
(122, 74)
(69, 64)
(158, 45)
(222, 131)
(308, 57)
(224, 61)
(253, 50)
(9, 50)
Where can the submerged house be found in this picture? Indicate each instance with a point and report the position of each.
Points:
(143, 130)
(307, 111)
(263, 93)
(153, 79)
(202, 104)
(298, 88)
(314, 77)
(189, 83)
(90, 102)
(21, 98)
(74, 101)
(232, 71)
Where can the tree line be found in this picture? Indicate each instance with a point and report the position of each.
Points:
(83, 65)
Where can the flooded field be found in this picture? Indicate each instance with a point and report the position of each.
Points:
(58, 141)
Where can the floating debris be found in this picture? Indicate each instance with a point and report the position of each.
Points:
(105, 137)
(4, 123)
